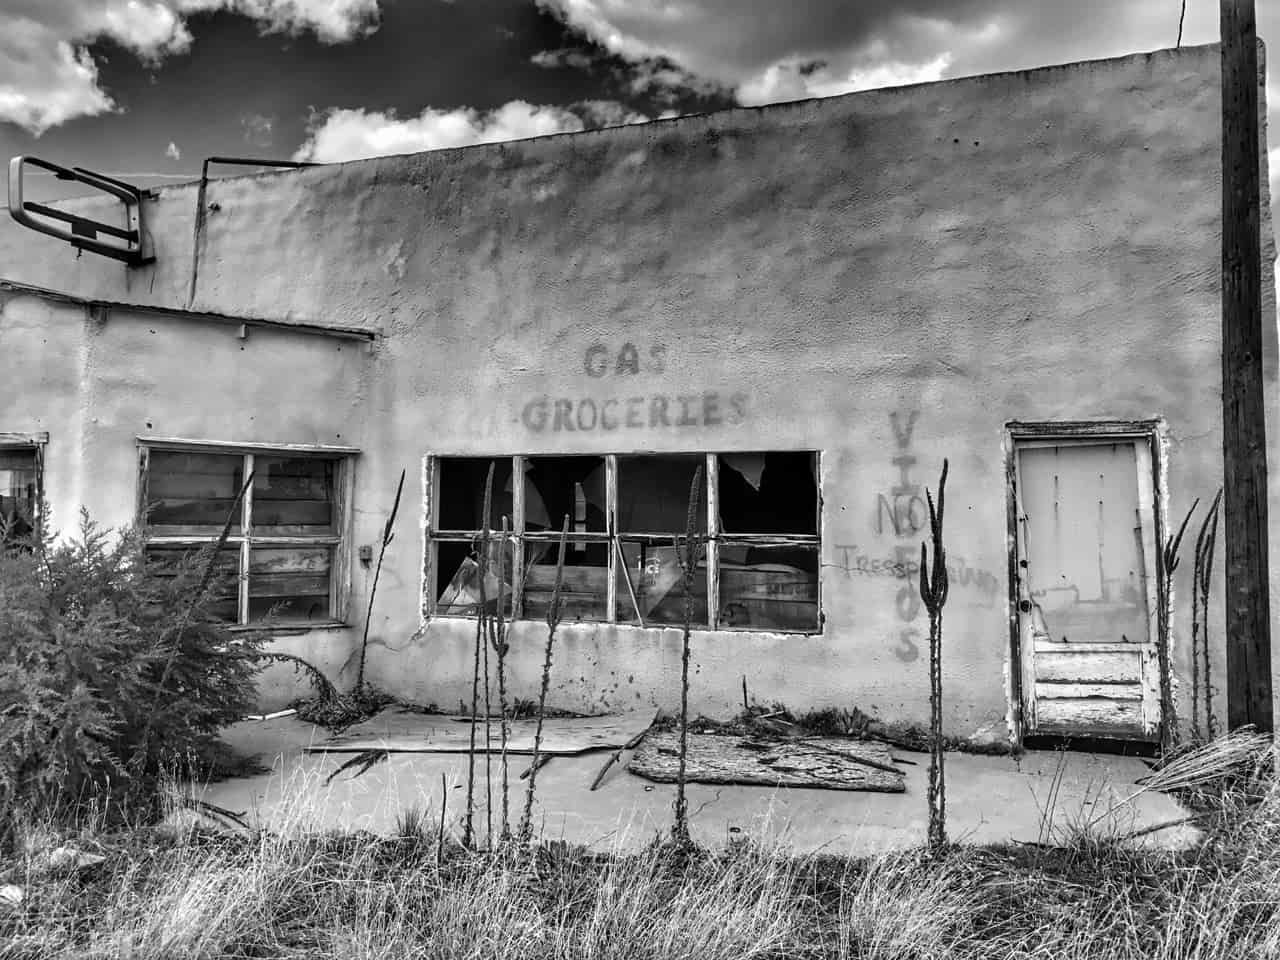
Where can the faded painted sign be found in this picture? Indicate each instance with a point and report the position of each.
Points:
(649, 411)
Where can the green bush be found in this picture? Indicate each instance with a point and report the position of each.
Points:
(111, 675)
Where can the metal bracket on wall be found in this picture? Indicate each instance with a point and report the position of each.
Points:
(197, 243)
(84, 233)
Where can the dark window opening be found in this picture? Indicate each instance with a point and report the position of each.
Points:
(760, 550)
(19, 495)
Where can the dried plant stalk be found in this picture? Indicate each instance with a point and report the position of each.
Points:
(387, 536)
(687, 559)
(553, 622)
(467, 828)
(1202, 581)
(1164, 611)
(933, 591)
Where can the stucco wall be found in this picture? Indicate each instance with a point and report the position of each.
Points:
(890, 274)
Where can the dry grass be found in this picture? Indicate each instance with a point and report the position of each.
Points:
(297, 892)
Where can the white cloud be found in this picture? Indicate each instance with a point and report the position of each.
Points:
(47, 76)
(342, 134)
(65, 86)
(796, 80)
(172, 151)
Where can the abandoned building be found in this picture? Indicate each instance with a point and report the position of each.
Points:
(808, 305)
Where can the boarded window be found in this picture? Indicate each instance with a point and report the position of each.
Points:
(279, 561)
(19, 493)
(756, 562)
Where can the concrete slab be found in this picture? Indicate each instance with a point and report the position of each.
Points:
(1043, 797)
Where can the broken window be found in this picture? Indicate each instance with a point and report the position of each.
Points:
(755, 566)
(458, 535)
(768, 541)
(653, 515)
(556, 488)
(20, 481)
(278, 563)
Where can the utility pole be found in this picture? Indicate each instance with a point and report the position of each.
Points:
(1244, 502)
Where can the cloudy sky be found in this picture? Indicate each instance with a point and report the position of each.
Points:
(148, 88)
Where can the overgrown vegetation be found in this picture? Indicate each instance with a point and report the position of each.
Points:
(300, 894)
(111, 675)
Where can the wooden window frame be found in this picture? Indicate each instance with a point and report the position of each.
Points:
(339, 541)
(35, 442)
(517, 537)
(1018, 432)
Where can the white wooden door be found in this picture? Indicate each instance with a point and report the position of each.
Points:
(1087, 587)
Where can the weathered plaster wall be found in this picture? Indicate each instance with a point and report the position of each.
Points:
(98, 383)
(888, 277)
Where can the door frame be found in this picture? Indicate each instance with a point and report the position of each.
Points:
(1149, 431)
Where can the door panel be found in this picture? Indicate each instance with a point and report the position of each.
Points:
(1085, 513)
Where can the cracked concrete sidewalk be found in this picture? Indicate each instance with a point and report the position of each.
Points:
(1042, 797)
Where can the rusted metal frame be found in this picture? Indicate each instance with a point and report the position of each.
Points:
(197, 243)
(131, 196)
(80, 223)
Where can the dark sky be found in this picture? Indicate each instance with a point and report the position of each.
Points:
(147, 88)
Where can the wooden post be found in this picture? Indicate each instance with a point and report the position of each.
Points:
(1247, 601)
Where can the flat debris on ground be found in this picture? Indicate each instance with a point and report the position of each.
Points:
(398, 730)
(832, 763)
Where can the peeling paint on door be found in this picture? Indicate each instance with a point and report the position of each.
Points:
(1086, 591)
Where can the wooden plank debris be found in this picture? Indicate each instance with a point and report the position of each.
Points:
(830, 763)
(617, 754)
(399, 730)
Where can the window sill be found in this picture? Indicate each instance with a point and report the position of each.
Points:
(288, 629)
(694, 628)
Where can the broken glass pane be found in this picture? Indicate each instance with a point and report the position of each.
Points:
(651, 585)
(556, 488)
(461, 496)
(458, 577)
(774, 493)
(293, 496)
(653, 493)
(769, 587)
(193, 493)
(18, 493)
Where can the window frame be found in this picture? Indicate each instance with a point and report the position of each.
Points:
(35, 442)
(517, 535)
(339, 541)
